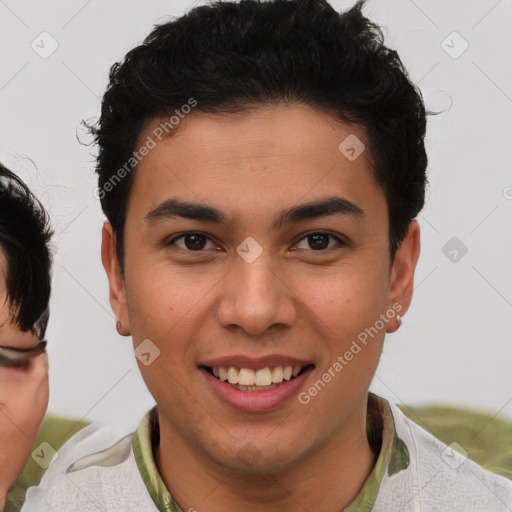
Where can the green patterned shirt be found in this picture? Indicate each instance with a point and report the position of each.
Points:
(115, 471)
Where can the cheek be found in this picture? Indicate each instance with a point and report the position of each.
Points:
(348, 298)
(347, 311)
(161, 300)
(31, 398)
(23, 402)
(166, 315)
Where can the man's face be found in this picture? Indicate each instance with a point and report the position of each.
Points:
(256, 294)
(23, 396)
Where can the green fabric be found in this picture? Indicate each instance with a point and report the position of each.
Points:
(146, 438)
(487, 439)
(393, 454)
(55, 431)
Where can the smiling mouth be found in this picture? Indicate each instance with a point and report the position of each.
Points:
(248, 379)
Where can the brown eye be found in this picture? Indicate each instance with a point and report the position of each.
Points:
(193, 242)
(320, 241)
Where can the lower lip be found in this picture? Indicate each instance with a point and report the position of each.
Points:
(256, 401)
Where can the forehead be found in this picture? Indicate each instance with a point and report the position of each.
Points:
(264, 158)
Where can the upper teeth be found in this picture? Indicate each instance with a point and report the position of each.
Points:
(249, 377)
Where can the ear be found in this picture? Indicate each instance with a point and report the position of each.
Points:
(401, 283)
(117, 290)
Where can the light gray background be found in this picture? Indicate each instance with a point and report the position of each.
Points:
(455, 345)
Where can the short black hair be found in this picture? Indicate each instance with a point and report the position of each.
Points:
(231, 56)
(25, 236)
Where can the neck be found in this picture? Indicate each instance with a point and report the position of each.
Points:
(326, 478)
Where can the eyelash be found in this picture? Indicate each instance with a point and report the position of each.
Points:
(339, 240)
(21, 365)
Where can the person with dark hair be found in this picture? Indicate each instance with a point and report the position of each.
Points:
(25, 285)
(25, 288)
(261, 165)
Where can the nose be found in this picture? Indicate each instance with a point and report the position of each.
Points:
(256, 297)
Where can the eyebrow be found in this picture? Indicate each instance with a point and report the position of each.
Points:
(172, 208)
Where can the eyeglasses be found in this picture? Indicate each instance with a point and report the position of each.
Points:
(19, 357)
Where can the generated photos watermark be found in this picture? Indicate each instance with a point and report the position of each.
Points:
(159, 133)
(355, 348)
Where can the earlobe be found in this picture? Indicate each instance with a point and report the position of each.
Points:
(402, 275)
(117, 290)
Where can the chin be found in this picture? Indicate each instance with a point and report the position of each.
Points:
(256, 460)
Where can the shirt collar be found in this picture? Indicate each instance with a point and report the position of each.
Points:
(393, 456)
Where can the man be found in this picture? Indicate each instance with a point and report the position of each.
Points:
(24, 295)
(261, 165)
(25, 286)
